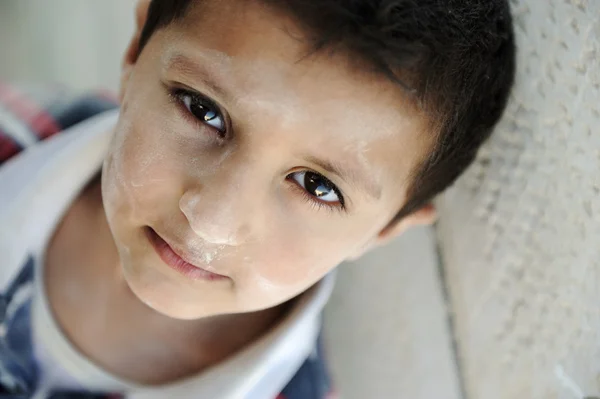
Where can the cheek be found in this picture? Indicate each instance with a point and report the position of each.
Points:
(294, 259)
(138, 177)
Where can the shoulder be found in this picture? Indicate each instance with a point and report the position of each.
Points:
(31, 114)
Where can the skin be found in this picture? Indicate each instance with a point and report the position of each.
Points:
(233, 202)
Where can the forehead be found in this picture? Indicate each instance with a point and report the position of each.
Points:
(258, 64)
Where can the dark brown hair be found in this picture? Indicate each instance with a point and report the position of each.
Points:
(458, 55)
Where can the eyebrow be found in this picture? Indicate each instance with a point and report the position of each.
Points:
(353, 176)
(199, 71)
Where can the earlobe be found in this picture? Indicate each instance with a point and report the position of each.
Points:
(424, 216)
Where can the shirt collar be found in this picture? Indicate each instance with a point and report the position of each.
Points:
(41, 183)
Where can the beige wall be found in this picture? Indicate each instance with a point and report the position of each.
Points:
(75, 42)
(520, 234)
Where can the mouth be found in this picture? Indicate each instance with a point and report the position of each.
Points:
(177, 261)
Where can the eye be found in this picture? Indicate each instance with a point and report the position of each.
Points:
(202, 109)
(318, 187)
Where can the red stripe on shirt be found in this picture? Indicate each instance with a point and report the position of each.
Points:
(38, 119)
(8, 148)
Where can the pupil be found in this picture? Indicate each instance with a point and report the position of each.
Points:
(315, 184)
(203, 113)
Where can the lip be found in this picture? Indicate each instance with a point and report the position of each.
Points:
(177, 262)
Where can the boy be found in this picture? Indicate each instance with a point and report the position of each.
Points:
(182, 245)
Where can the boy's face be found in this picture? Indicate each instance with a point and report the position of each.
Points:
(301, 165)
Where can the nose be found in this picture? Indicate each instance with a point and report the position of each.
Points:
(219, 213)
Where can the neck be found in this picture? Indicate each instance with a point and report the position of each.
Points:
(212, 338)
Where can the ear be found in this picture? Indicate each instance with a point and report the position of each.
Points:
(132, 51)
(425, 216)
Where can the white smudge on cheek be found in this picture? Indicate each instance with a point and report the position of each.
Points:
(114, 180)
(281, 275)
(260, 289)
(130, 169)
(266, 285)
(206, 254)
(145, 165)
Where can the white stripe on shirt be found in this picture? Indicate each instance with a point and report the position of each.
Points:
(15, 129)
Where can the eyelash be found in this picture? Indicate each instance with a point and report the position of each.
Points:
(313, 201)
(178, 94)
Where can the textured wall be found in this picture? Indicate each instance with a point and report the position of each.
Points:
(520, 233)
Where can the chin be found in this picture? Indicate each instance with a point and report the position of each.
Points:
(170, 298)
